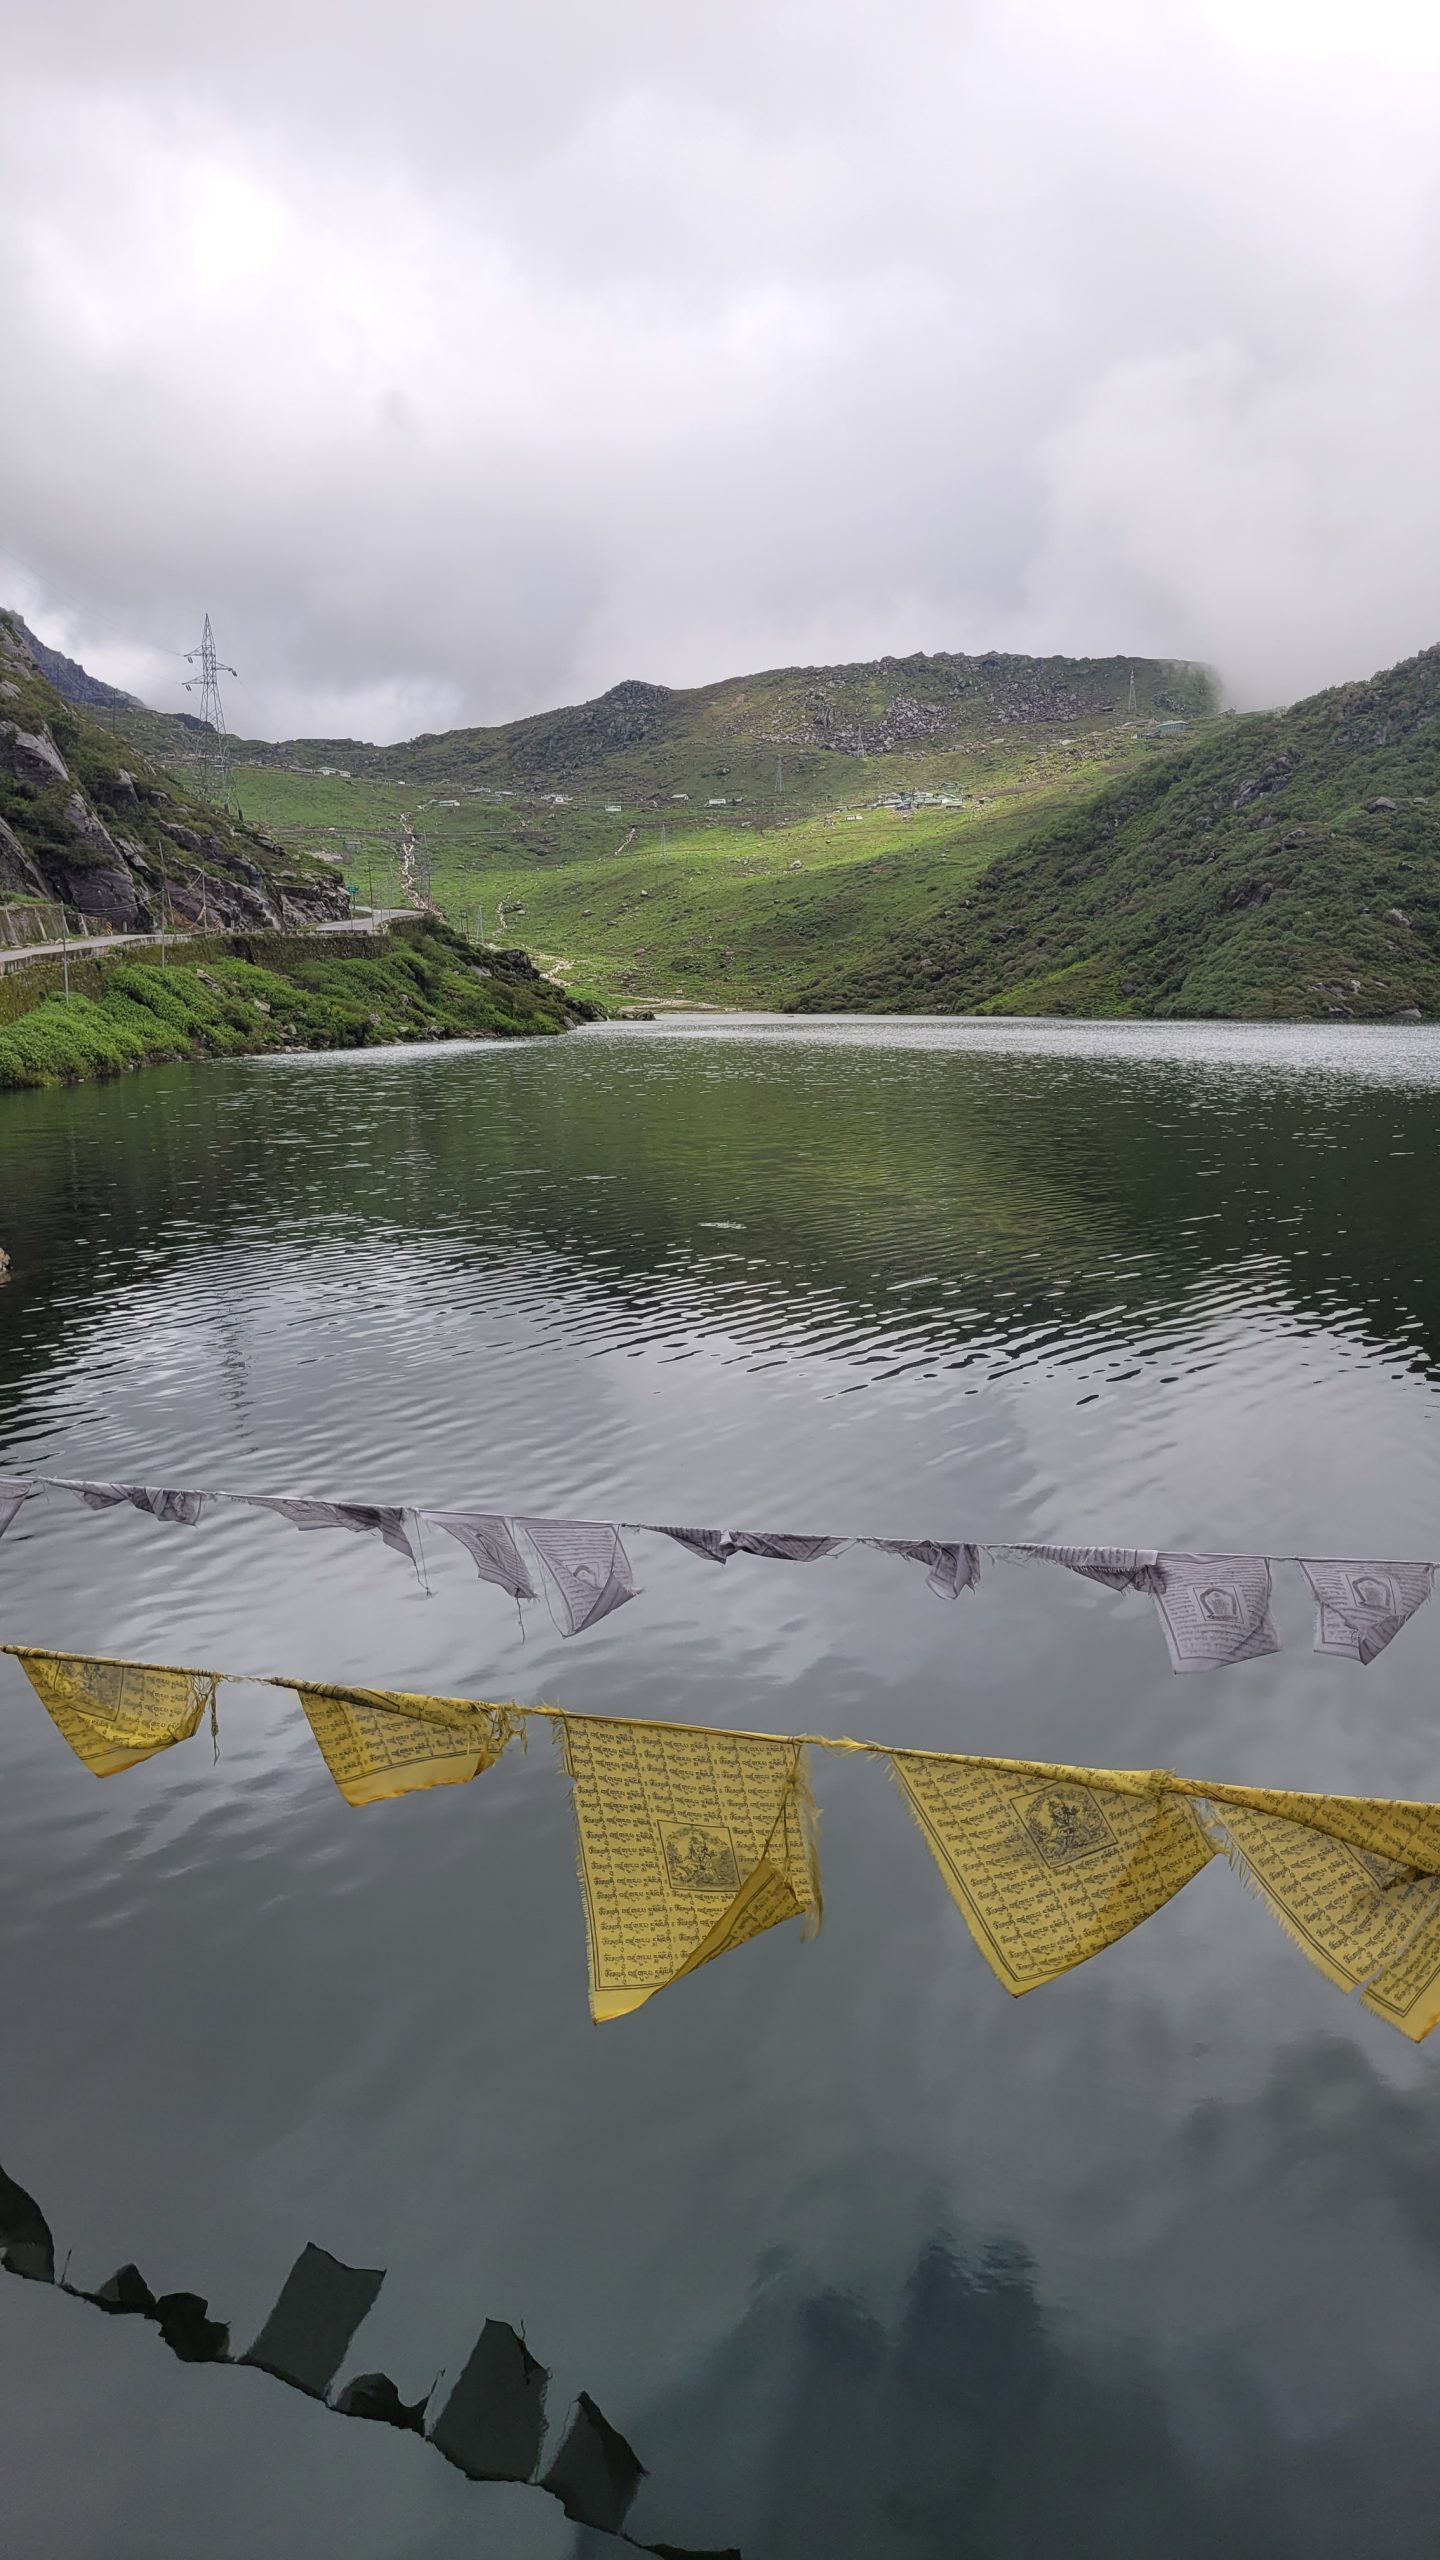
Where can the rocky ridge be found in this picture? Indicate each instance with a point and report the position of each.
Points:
(117, 843)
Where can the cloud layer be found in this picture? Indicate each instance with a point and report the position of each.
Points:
(461, 360)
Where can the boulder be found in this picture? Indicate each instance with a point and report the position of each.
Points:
(31, 755)
(1376, 806)
(91, 831)
(17, 871)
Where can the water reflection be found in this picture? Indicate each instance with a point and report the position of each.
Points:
(492, 2426)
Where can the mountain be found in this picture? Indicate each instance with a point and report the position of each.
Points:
(640, 741)
(72, 681)
(1285, 865)
(87, 824)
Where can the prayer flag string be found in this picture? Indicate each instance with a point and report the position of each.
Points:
(692, 1839)
(1214, 1610)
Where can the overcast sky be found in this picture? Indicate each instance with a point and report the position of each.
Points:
(463, 357)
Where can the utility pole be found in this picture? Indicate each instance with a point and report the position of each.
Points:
(214, 757)
(65, 948)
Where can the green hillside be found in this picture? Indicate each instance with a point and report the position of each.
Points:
(1284, 865)
(640, 743)
(63, 1022)
(720, 844)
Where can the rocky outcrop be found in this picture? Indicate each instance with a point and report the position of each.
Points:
(19, 876)
(128, 849)
(31, 756)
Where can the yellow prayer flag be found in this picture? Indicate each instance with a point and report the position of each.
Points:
(1050, 1864)
(1354, 1882)
(379, 1743)
(688, 1843)
(114, 1714)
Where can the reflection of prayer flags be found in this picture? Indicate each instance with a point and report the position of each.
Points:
(13, 1491)
(1050, 1864)
(712, 1543)
(1215, 1610)
(322, 2303)
(382, 1742)
(1359, 1606)
(381, 1520)
(1117, 1568)
(492, 1550)
(126, 2292)
(595, 2474)
(114, 1714)
(587, 1572)
(1355, 1883)
(758, 1542)
(182, 2321)
(493, 2423)
(952, 1569)
(689, 1843)
(158, 1500)
(373, 2395)
(26, 2248)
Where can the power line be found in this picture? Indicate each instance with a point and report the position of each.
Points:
(213, 758)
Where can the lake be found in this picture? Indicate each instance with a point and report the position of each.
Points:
(861, 2256)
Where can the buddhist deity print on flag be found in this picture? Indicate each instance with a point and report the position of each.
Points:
(688, 1843)
(1360, 1607)
(1215, 1610)
(1050, 1864)
(587, 1572)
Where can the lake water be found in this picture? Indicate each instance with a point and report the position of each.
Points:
(863, 2257)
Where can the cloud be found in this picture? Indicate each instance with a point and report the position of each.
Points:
(462, 360)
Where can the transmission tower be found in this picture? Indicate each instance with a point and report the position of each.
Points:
(1132, 708)
(213, 759)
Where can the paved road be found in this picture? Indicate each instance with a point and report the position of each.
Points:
(79, 944)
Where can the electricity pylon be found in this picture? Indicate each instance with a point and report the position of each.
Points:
(213, 759)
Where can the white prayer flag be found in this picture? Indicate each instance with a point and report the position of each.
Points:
(758, 1542)
(1118, 1568)
(160, 1501)
(487, 1541)
(952, 1569)
(1360, 1606)
(1215, 1610)
(382, 1520)
(587, 1572)
(714, 1544)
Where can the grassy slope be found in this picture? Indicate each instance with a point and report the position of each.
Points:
(719, 912)
(421, 985)
(1246, 876)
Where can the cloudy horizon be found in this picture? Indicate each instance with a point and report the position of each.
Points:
(461, 362)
